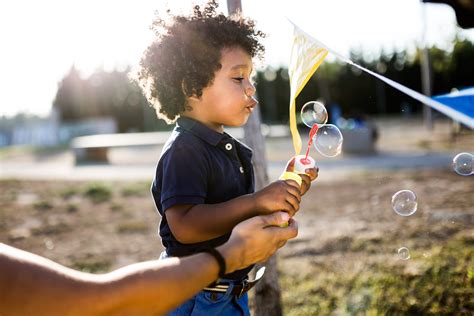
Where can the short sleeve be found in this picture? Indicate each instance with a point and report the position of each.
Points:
(184, 175)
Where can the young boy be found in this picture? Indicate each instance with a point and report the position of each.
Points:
(199, 70)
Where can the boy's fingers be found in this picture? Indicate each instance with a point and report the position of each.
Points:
(293, 183)
(312, 173)
(294, 189)
(290, 165)
(306, 183)
(292, 205)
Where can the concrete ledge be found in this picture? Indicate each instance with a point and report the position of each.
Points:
(358, 141)
(94, 148)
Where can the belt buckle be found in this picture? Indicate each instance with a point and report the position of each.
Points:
(242, 291)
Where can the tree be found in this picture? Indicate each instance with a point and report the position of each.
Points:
(268, 295)
(103, 94)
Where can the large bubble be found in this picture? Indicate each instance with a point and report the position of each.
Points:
(404, 203)
(328, 140)
(462, 164)
(314, 112)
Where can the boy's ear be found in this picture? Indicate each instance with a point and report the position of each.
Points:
(185, 92)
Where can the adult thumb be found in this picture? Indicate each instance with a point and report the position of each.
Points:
(275, 219)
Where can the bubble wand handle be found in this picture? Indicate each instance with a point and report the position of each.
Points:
(312, 132)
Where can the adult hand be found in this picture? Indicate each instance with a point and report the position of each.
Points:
(256, 239)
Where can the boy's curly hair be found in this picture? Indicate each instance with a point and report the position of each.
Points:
(183, 59)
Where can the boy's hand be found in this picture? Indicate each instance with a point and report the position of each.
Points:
(278, 196)
(310, 175)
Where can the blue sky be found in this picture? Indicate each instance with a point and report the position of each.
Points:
(42, 39)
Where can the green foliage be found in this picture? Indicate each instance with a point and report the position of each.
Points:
(116, 207)
(137, 189)
(104, 94)
(92, 264)
(133, 227)
(42, 205)
(439, 284)
(98, 192)
(67, 193)
(51, 229)
(359, 93)
(114, 94)
(72, 208)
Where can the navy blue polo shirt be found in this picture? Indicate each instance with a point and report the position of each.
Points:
(200, 166)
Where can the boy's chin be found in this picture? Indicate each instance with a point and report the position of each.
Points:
(238, 123)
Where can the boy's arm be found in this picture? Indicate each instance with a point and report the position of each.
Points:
(197, 223)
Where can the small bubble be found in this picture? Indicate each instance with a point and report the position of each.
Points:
(462, 164)
(314, 112)
(404, 203)
(48, 243)
(404, 253)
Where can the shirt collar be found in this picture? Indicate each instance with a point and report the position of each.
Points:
(200, 130)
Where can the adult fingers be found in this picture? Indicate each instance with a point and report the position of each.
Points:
(284, 233)
(274, 219)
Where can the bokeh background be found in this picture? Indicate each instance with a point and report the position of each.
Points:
(66, 68)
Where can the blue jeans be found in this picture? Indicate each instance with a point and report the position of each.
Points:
(213, 303)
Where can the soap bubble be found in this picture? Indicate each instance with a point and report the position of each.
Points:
(314, 112)
(404, 202)
(462, 164)
(404, 253)
(328, 140)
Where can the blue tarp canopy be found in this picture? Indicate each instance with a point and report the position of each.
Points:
(462, 102)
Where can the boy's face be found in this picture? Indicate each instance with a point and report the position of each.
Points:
(228, 100)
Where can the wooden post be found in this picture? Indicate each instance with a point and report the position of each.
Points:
(426, 72)
(267, 292)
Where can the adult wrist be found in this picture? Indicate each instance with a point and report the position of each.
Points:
(229, 257)
(220, 259)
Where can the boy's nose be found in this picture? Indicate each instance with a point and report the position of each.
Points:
(250, 90)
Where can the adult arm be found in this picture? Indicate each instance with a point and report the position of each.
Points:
(33, 285)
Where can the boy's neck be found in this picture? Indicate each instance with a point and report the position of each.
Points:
(216, 127)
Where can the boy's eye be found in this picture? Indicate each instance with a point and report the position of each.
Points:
(239, 79)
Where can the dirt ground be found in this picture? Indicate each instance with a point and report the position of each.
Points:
(348, 229)
(348, 224)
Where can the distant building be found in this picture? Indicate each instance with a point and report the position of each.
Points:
(49, 131)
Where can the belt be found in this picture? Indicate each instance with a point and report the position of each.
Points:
(238, 289)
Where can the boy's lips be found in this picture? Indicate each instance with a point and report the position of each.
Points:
(252, 105)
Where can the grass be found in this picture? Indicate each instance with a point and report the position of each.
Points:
(137, 189)
(68, 192)
(43, 205)
(439, 284)
(91, 264)
(98, 192)
(72, 207)
(343, 263)
(52, 229)
(133, 227)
